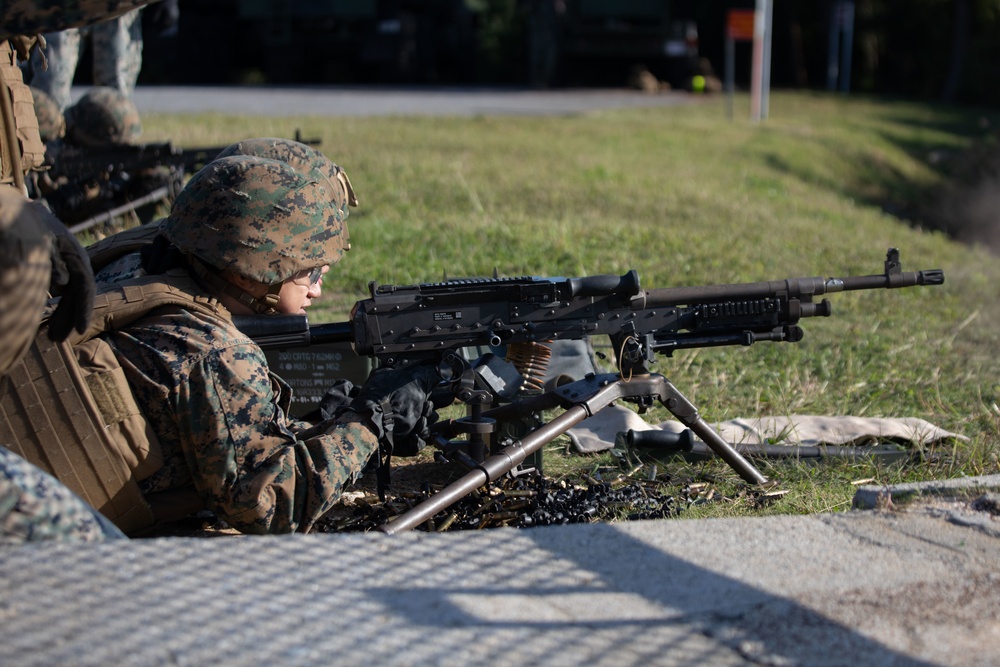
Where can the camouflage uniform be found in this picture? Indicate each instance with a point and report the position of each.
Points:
(30, 17)
(34, 254)
(34, 506)
(220, 415)
(117, 54)
(126, 267)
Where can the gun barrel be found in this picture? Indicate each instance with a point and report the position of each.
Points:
(891, 281)
(282, 331)
(684, 296)
(332, 332)
(791, 288)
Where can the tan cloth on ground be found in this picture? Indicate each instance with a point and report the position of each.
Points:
(598, 433)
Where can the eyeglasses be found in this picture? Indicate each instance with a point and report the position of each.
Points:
(314, 276)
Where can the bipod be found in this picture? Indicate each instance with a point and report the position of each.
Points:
(580, 400)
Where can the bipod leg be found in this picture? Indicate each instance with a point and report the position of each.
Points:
(687, 414)
(580, 399)
(488, 471)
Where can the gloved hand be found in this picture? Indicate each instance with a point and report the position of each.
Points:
(400, 405)
(72, 281)
(339, 395)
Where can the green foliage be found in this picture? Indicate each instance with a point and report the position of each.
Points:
(910, 47)
(687, 197)
(499, 40)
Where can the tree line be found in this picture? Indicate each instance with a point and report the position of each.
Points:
(936, 50)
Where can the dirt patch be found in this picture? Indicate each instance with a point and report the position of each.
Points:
(967, 208)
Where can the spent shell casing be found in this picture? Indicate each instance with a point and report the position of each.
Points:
(446, 524)
(516, 506)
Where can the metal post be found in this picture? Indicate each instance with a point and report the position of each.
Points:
(758, 80)
(766, 73)
(833, 49)
(730, 75)
(847, 28)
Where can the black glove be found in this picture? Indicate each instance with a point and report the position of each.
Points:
(73, 282)
(339, 395)
(400, 405)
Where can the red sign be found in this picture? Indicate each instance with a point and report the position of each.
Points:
(739, 24)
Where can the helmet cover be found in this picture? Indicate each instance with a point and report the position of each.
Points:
(103, 117)
(257, 217)
(303, 158)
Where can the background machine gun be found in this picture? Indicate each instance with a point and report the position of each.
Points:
(401, 325)
(87, 186)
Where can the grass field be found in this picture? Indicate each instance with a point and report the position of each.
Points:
(686, 196)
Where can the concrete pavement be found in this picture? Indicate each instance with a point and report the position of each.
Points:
(917, 587)
(384, 101)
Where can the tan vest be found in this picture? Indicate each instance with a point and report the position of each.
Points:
(68, 409)
(21, 147)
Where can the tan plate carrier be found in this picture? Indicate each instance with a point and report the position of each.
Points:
(68, 408)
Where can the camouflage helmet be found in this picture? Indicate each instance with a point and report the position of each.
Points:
(303, 158)
(307, 161)
(25, 272)
(102, 117)
(258, 218)
(51, 122)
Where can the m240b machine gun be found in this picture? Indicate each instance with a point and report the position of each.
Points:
(401, 325)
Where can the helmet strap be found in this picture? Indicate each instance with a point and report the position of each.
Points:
(262, 305)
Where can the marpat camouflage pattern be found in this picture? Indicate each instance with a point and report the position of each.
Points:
(31, 17)
(223, 425)
(35, 507)
(116, 54)
(259, 218)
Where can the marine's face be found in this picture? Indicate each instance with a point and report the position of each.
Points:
(298, 291)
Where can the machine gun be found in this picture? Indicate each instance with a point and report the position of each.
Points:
(88, 186)
(402, 325)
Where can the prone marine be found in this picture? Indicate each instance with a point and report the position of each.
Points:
(246, 235)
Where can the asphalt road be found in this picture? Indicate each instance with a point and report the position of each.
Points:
(370, 101)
